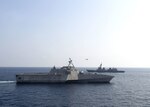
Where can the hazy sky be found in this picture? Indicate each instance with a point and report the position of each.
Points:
(43, 33)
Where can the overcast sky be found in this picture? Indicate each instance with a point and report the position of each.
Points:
(43, 33)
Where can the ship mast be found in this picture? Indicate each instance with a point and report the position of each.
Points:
(70, 62)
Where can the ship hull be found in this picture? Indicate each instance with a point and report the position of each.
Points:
(100, 71)
(46, 78)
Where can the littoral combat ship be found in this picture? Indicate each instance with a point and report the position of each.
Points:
(101, 69)
(65, 74)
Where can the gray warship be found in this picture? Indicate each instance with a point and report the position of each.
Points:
(65, 74)
(101, 69)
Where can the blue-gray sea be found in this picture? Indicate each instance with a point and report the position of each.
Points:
(129, 89)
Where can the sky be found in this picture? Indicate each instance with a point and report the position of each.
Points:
(44, 33)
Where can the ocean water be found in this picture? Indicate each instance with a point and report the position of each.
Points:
(129, 89)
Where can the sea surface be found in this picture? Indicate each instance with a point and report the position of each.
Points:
(129, 89)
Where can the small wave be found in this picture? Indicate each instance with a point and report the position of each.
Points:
(4, 82)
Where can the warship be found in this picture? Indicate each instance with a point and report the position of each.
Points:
(65, 74)
(101, 69)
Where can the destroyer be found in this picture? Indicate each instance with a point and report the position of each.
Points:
(65, 74)
(101, 69)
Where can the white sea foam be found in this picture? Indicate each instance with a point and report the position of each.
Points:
(5, 82)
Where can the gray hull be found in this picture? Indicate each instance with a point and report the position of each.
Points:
(48, 78)
(106, 71)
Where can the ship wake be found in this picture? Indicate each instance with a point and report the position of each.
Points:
(6, 82)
